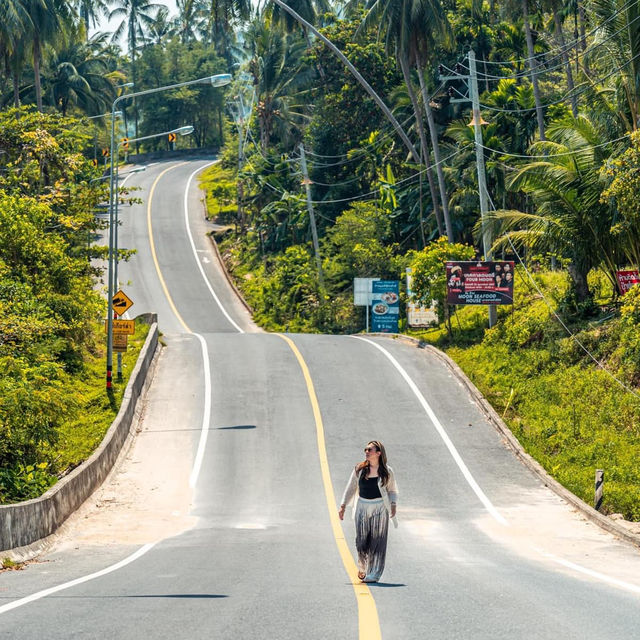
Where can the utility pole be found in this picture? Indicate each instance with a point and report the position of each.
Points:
(240, 159)
(312, 218)
(474, 98)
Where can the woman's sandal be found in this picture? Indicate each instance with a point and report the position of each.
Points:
(361, 575)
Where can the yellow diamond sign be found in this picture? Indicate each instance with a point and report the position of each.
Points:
(121, 303)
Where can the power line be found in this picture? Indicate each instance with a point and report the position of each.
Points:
(574, 93)
(559, 319)
(547, 69)
(568, 46)
(378, 141)
(364, 195)
(554, 155)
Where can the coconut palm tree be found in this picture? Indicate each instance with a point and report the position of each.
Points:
(278, 73)
(78, 73)
(621, 31)
(411, 28)
(191, 20)
(15, 26)
(162, 28)
(47, 19)
(137, 16)
(90, 11)
(570, 217)
(556, 10)
(533, 67)
(223, 15)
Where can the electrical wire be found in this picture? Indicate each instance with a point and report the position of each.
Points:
(570, 94)
(399, 182)
(545, 69)
(554, 155)
(378, 142)
(559, 319)
(569, 45)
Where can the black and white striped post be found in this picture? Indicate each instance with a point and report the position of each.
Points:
(597, 503)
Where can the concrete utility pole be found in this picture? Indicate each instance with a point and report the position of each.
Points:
(487, 240)
(240, 159)
(476, 122)
(357, 75)
(312, 217)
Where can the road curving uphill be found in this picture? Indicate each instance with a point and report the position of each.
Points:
(265, 430)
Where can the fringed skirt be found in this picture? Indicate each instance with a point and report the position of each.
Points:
(372, 527)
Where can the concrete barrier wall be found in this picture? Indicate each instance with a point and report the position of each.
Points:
(26, 522)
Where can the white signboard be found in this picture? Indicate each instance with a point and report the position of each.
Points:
(419, 316)
(362, 291)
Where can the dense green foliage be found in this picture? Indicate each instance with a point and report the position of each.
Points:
(49, 311)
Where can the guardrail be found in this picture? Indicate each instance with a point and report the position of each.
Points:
(29, 522)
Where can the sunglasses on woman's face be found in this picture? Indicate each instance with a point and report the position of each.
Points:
(369, 449)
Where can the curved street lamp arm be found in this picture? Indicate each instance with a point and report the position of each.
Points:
(367, 87)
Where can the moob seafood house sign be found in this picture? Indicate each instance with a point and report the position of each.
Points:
(480, 282)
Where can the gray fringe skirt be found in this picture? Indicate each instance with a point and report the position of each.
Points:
(372, 527)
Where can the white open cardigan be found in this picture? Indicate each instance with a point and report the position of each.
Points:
(389, 492)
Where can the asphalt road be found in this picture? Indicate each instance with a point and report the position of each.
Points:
(270, 428)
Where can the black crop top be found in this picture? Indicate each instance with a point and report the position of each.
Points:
(368, 487)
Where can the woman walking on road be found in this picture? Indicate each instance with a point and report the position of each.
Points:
(373, 486)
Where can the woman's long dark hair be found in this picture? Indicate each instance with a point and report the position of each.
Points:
(383, 472)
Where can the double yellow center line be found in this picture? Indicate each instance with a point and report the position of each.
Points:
(368, 624)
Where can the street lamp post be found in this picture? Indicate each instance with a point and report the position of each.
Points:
(218, 80)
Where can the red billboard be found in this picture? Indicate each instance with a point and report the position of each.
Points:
(480, 282)
(626, 280)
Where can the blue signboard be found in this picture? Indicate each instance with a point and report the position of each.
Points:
(385, 306)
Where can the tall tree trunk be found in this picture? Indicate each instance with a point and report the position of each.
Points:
(533, 68)
(433, 132)
(10, 71)
(580, 283)
(36, 72)
(583, 37)
(16, 88)
(565, 58)
(404, 65)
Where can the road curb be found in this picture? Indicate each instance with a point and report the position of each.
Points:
(227, 276)
(216, 250)
(27, 528)
(514, 444)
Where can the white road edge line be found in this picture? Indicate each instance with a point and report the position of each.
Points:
(206, 416)
(67, 585)
(443, 434)
(476, 488)
(193, 246)
(589, 572)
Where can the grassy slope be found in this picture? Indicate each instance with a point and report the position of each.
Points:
(80, 436)
(569, 414)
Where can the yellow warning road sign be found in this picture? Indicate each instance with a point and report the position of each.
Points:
(172, 137)
(120, 342)
(125, 143)
(126, 327)
(121, 303)
(105, 152)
